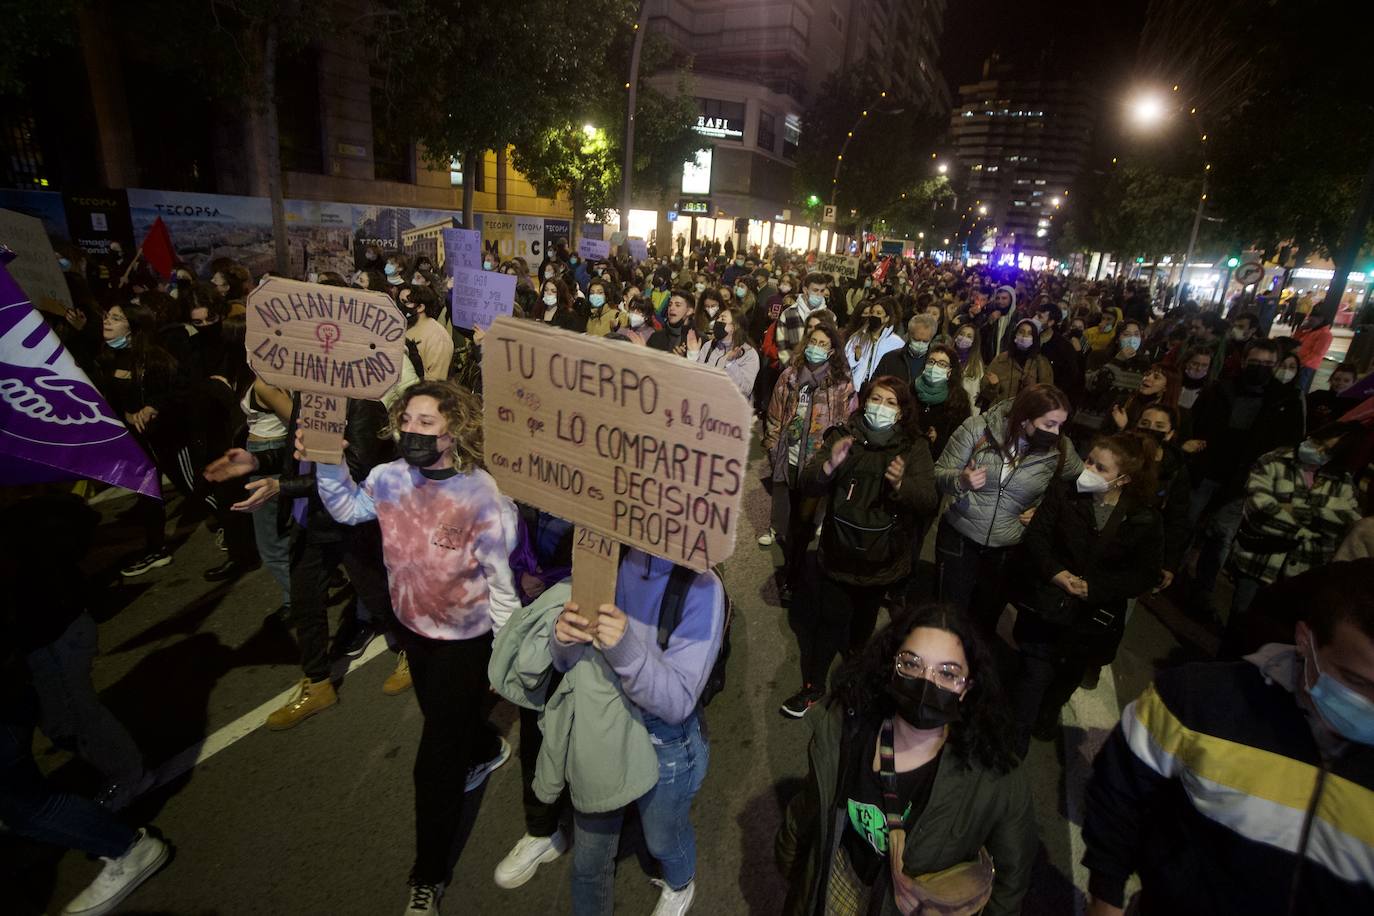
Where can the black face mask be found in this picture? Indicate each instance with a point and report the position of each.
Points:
(412, 316)
(1155, 434)
(1042, 440)
(718, 330)
(420, 449)
(1252, 376)
(923, 704)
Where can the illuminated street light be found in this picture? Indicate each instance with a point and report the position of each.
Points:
(1055, 201)
(1148, 110)
(942, 168)
(982, 211)
(589, 130)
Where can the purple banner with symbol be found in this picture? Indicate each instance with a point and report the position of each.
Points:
(54, 425)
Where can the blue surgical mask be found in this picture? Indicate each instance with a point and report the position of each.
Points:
(880, 416)
(816, 301)
(389, 269)
(487, 265)
(816, 354)
(936, 374)
(918, 347)
(1130, 342)
(118, 343)
(1348, 713)
(597, 300)
(1310, 453)
(64, 263)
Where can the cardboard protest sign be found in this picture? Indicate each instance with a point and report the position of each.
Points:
(479, 296)
(638, 250)
(593, 249)
(34, 266)
(632, 445)
(838, 265)
(330, 343)
(462, 248)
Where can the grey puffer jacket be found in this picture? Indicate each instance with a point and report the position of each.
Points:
(990, 516)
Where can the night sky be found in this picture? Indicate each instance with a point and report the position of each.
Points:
(1094, 39)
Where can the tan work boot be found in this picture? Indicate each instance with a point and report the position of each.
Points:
(313, 697)
(399, 680)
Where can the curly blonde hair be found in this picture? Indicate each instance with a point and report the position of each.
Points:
(459, 407)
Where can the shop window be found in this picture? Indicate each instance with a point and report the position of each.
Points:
(767, 131)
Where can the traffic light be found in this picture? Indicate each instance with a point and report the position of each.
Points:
(1140, 260)
(812, 200)
(1233, 262)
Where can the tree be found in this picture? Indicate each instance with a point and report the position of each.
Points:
(30, 33)
(1135, 209)
(575, 159)
(889, 141)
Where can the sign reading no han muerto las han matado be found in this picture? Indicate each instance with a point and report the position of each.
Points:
(330, 343)
(632, 445)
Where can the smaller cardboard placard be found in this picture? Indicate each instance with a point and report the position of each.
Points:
(462, 248)
(330, 343)
(34, 266)
(639, 250)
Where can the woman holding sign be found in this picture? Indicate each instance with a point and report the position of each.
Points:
(878, 481)
(447, 535)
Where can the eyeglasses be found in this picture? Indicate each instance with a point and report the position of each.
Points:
(947, 675)
(938, 362)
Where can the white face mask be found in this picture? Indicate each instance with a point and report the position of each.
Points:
(880, 416)
(551, 300)
(636, 320)
(1089, 481)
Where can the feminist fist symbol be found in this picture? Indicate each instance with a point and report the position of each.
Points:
(327, 333)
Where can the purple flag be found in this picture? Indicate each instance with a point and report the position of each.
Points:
(54, 425)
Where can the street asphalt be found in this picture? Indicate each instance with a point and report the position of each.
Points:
(318, 820)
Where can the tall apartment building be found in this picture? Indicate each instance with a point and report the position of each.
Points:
(758, 63)
(1021, 143)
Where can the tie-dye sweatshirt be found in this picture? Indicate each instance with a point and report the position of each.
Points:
(447, 544)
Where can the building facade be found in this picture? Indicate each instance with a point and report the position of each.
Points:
(1020, 144)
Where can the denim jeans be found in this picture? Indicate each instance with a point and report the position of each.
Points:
(1217, 538)
(70, 711)
(30, 807)
(664, 812)
(274, 547)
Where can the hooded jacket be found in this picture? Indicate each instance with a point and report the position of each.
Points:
(863, 367)
(989, 516)
(594, 739)
(970, 807)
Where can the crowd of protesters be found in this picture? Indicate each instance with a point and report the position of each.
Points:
(1074, 446)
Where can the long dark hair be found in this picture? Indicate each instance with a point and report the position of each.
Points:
(1032, 402)
(957, 397)
(983, 732)
(145, 352)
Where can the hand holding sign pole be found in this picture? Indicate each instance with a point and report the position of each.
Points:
(633, 446)
(330, 343)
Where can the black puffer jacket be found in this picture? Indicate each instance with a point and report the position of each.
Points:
(866, 536)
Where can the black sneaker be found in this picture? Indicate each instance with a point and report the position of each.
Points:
(795, 706)
(151, 561)
(229, 569)
(353, 639)
(785, 595)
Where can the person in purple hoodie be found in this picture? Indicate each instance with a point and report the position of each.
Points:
(665, 686)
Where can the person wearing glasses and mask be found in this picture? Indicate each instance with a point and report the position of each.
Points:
(913, 800)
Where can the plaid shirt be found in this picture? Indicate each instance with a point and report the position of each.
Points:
(791, 327)
(1288, 527)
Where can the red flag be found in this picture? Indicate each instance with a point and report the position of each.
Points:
(157, 249)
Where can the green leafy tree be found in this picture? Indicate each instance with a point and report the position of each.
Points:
(574, 159)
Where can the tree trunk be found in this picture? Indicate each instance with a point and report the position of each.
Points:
(472, 160)
(576, 197)
(272, 154)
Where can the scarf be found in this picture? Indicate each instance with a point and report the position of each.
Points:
(815, 376)
(931, 392)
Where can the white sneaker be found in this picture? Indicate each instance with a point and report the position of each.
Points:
(671, 902)
(478, 774)
(524, 859)
(768, 538)
(424, 899)
(120, 877)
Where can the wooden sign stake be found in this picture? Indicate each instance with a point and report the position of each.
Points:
(596, 562)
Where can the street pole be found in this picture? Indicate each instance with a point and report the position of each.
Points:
(1350, 246)
(1192, 239)
(627, 173)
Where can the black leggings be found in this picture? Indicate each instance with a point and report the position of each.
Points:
(842, 618)
(450, 678)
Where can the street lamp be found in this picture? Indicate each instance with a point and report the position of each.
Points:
(982, 211)
(1148, 110)
(942, 168)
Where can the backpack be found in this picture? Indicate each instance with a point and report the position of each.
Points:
(670, 615)
(861, 530)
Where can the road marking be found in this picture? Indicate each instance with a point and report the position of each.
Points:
(245, 725)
